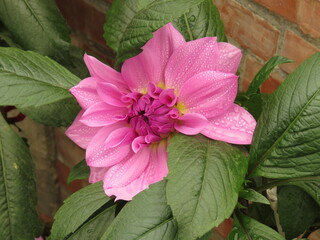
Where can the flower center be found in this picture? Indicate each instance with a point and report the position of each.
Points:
(153, 114)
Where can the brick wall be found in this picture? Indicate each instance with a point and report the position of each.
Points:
(264, 28)
(261, 28)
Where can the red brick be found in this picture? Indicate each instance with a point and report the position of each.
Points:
(297, 49)
(272, 83)
(83, 18)
(309, 17)
(63, 172)
(284, 8)
(251, 68)
(248, 29)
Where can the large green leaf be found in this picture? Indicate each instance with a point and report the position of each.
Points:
(130, 23)
(312, 188)
(202, 20)
(36, 25)
(204, 179)
(38, 86)
(246, 228)
(264, 73)
(286, 142)
(146, 217)
(95, 227)
(77, 209)
(18, 215)
(296, 209)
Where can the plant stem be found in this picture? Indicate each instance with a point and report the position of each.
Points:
(188, 27)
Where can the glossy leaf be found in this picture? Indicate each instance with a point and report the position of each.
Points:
(251, 195)
(296, 209)
(36, 25)
(38, 86)
(77, 209)
(312, 188)
(130, 24)
(202, 20)
(146, 217)
(79, 171)
(95, 227)
(264, 73)
(18, 215)
(286, 142)
(204, 179)
(246, 228)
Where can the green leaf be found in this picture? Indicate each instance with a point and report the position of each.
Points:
(18, 215)
(79, 171)
(36, 25)
(77, 209)
(146, 217)
(246, 228)
(6, 38)
(264, 73)
(204, 179)
(202, 20)
(296, 209)
(255, 103)
(286, 142)
(252, 195)
(312, 188)
(38, 86)
(95, 227)
(130, 24)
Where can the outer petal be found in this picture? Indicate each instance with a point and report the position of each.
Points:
(98, 155)
(209, 93)
(97, 174)
(154, 172)
(190, 59)
(229, 58)
(191, 123)
(80, 133)
(128, 170)
(85, 92)
(235, 126)
(111, 94)
(102, 114)
(149, 65)
(103, 72)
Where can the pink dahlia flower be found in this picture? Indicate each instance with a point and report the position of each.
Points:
(172, 86)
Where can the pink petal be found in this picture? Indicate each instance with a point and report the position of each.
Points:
(111, 94)
(102, 114)
(154, 172)
(229, 58)
(168, 97)
(103, 72)
(235, 126)
(191, 58)
(128, 170)
(138, 143)
(85, 92)
(98, 155)
(97, 174)
(209, 93)
(191, 123)
(149, 65)
(120, 136)
(80, 133)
